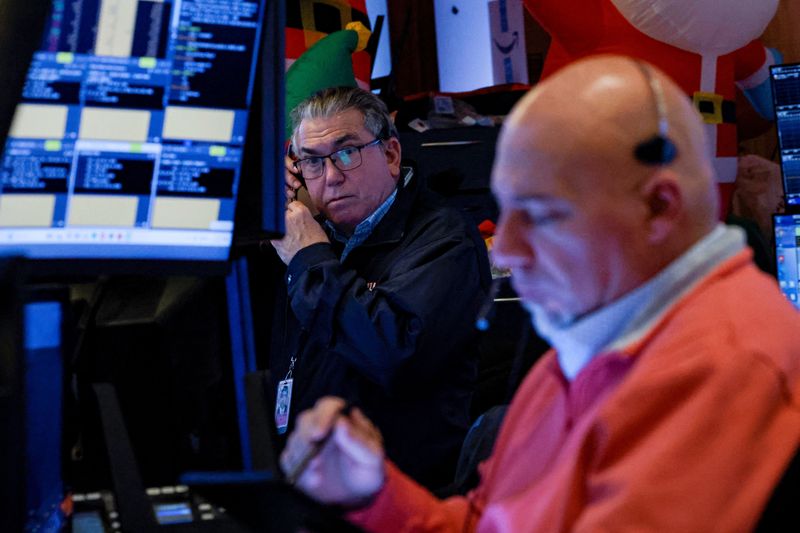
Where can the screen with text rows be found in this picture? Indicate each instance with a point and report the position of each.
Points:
(128, 140)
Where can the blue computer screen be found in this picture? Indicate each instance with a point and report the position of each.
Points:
(787, 255)
(786, 92)
(128, 140)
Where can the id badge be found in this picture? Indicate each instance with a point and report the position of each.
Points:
(282, 403)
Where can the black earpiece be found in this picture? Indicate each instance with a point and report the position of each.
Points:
(659, 149)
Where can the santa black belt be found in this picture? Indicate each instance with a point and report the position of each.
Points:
(714, 108)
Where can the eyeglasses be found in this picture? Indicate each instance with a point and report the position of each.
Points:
(347, 158)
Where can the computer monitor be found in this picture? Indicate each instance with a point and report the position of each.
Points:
(786, 94)
(31, 393)
(787, 255)
(126, 148)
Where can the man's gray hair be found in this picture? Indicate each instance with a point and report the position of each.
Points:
(329, 102)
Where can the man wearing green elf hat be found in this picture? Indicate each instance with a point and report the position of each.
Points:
(382, 281)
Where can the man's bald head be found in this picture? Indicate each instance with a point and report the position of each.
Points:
(598, 110)
(567, 149)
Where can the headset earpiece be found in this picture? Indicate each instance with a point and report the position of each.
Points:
(659, 149)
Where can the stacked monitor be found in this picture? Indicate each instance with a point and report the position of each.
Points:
(786, 93)
(31, 381)
(127, 145)
(787, 255)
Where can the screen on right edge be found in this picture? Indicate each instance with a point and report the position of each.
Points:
(787, 254)
(786, 92)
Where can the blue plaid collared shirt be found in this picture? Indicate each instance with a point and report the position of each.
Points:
(364, 228)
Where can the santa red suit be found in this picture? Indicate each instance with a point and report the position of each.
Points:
(707, 47)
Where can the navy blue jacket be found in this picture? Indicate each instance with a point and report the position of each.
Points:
(391, 329)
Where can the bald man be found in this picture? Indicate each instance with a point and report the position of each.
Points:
(669, 401)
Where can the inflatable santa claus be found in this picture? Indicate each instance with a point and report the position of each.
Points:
(709, 47)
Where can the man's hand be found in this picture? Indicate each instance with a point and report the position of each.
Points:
(301, 231)
(348, 467)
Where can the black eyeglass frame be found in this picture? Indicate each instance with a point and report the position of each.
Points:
(331, 155)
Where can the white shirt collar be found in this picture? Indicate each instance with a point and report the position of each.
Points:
(630, 317)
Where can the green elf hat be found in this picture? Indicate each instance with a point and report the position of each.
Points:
(328, 63)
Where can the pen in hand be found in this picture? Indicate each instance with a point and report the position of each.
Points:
(296, 470)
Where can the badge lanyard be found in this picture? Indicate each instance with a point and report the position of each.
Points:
(284, 399)
(283, 396)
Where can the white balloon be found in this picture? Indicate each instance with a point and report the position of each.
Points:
(708, 27)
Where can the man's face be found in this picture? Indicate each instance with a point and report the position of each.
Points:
(347, 197)
(568, 237)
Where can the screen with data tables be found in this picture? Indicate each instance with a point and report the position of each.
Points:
(786, 93)
(128, 140)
